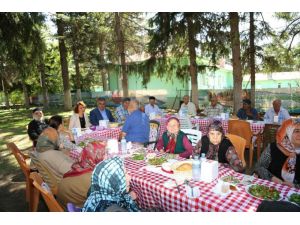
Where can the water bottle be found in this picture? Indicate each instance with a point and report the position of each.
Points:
(196, 169)
(123, 146)
(202, 157)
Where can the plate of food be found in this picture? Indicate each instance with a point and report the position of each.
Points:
(182, 166)
(263, 192)
(138, 156)
(157, 161)
(293, 197)
(230, 179)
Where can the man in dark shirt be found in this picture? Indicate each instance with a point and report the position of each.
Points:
(247, 112)
(37, 125)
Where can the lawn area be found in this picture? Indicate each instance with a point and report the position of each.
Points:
(13, 128)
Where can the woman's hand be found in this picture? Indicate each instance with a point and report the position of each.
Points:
(133, 195)
(276, 180)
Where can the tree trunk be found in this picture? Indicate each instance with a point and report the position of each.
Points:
(25, 93)
(103, 71)
(77, 75)
(64, 63)
(236, 60)
(193, 63)
(5, 91)
(44, 86)
(121, 48)
(252, 58)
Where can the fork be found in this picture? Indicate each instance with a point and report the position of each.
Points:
(177, 186)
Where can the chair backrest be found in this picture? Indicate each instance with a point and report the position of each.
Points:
(193, 135)
(239, 144)
(45, 172)
(185, 122)
(269, 134)
(49, 198)
(154, 133)
(20, 157)
(241, 128)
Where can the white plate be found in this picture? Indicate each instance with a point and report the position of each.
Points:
(167, 167)
(288, 196)
(247, 190)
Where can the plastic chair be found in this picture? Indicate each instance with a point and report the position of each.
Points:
(193, 135)
(21, 159)
(239, 144)
(44, 189)
(153, 135)
(242, 128)
(185, 123)
(46, 173)
(72, 208)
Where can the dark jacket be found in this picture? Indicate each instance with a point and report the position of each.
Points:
(95, 116)
(35, 128)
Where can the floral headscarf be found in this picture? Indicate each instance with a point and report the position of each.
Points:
(170, 148)
(284, 142)
(108, 187)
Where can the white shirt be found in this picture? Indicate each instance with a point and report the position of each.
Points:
(75, 122)
(283, 114)
(190, 108)
(152, 109)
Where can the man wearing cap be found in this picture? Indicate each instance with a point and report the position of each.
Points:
(247, 112)
(37, 125)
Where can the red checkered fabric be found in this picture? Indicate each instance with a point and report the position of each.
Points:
(203, 124)
(110, 133)
(152, 194)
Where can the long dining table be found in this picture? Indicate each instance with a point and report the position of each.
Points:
(152, 193)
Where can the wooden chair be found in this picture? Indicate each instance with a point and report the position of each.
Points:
(43, 188)
(239, 144)
(193, 135)
(269, 134)
(242, 128)
(22, 160)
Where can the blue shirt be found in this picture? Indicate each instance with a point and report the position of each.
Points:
(242, 114)
(137, 127)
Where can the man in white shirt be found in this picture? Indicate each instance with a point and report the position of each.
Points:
(151, 108)
(281, 113)
(214, 109)
(187, 107)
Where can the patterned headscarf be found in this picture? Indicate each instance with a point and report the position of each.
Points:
(284, 142)
(108, 187)
(217, 126)
(170, 148)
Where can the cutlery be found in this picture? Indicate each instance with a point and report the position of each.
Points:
(177, 186)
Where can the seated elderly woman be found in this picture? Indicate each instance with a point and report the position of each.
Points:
(280, 161)
(217, 147)
(110, 189)
(73, 176)
(174, 140)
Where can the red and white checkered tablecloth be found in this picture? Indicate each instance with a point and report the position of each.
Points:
(109, 133)
(152, 194)
(256, 127)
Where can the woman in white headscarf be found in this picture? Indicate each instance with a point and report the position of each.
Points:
(280, 162)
